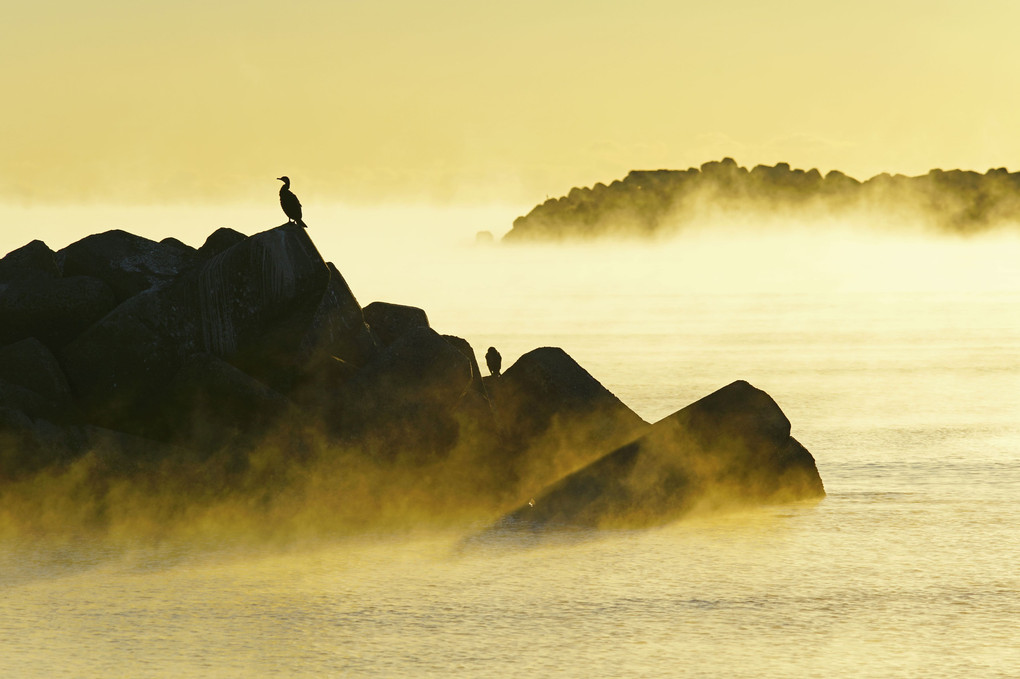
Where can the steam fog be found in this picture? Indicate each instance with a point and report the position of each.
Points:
(642, 317)
(892, 352)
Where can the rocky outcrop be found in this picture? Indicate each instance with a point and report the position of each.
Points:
(402, 404)
(218, 241)
(29, 364)
(34, 260)
(649, 203)
(250, 304)
(556, 417)
(731, 447)
(235, 364)
(52, 310)
(391, 321)
(129, 264)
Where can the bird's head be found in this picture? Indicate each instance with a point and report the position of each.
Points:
(285, 180)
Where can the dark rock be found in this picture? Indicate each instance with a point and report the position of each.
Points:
(34, 260)
(249, 305)
(53, 311)
(21, 451)
(732, 447)
(402, 404)
(30, 364)
(178, 244)
(654, 203)
(338, 325)
(130, 354)
(557, 417)
(218, 241)
(464, 347)
(210, 404)
(255, 284)
(127, 263)
(25, 400)
(390, 322)
(117, 453)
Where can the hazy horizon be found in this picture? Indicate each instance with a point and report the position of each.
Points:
(456, 101)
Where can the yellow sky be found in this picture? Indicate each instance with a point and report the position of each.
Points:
(392, 100)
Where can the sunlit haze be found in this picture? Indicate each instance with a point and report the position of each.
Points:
(472, 102)
(753, 423)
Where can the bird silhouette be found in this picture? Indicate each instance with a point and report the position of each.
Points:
(289, 202)
(494, 361)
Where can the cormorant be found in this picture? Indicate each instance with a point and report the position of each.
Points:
(493, 360)
(289, 202)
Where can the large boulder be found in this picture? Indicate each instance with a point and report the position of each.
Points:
(402, 404)
(127, 263)
(464, 347)
(29, 443)
(25, 400)
(731, 447)
(120, 362)
(30, 364)
(34, 260)
(556, 417)
(218, 241)
(249, 305)
(210, 404)
(338, 327)
(390, 322)
(54, 311)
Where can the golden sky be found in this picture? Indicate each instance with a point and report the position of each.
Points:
(397, 100)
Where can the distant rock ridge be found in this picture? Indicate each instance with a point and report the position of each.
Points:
(649, 203)
(247, 365)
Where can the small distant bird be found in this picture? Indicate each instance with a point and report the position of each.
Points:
(494, 361)
(289, 202)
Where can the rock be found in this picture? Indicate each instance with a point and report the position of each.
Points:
(464, 347)
(389, 322)
(402, 404)
(732, 447)
(30, 364)
(218, 241)
(116, 453)
(178, 244)
(118, 363)
(557, 417)
(254, 285)
(34, 260)
(27, 401)
(54, 311)
(209, 404)
(484, 238)
(21, 451)
(127, 263)
(245, 305)
(338, 325)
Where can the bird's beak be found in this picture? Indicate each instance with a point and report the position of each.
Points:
(279, 179)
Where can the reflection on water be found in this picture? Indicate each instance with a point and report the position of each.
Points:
(907, 395)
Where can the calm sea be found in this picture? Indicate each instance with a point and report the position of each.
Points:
(898, 364)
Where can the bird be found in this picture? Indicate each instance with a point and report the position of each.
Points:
(494, 361)
(289, 202)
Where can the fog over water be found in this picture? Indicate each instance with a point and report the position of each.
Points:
(896, 356)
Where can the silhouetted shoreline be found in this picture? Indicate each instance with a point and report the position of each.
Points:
(146, 382)
(651, 203)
